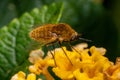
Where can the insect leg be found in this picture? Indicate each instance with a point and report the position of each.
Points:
(65, 53)
(54, 53)
(51, 54)
(74, 49)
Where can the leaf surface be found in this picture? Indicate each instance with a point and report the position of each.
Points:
(14, 38)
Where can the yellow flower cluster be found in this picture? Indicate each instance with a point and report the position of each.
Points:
(81, 63)
(88, 64)
(22, 76)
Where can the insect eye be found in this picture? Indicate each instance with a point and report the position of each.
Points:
(74, 36)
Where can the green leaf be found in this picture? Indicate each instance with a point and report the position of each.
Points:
(14, 38)
(51, 14)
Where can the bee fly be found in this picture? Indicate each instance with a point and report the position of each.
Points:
(52, 33)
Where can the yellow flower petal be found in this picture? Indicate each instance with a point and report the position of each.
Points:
(62, 73)
(80, 75)
(116, 74)
(39, 79)
(31, 76)
(19, 76)
(50, 62)
(35, 55)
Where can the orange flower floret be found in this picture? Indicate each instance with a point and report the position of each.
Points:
(40, 64)
(113, 72)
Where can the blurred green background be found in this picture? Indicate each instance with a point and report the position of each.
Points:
(97, 20)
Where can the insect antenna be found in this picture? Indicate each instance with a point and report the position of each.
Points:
(53, 54)
(83, 39)
(65, 52)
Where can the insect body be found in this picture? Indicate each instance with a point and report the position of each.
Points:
(51, 33)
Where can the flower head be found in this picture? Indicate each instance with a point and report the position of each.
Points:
(81, 63)
(87, 64)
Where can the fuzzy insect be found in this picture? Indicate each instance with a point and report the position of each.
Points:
(51, 33)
